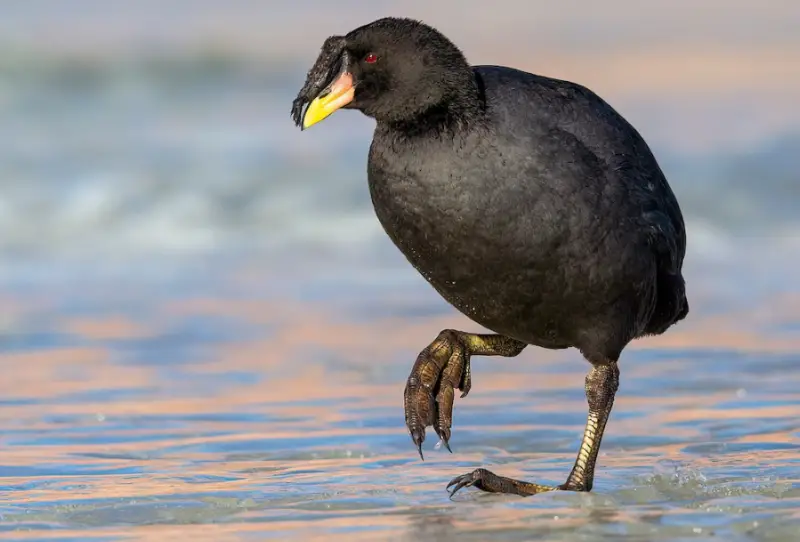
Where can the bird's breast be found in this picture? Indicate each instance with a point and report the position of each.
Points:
(440, 224)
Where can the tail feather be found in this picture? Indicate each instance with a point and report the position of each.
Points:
(671, 304)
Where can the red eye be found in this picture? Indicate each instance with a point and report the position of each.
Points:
(371, 58)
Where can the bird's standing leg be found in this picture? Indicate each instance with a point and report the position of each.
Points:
(601, 385)
(441, 368)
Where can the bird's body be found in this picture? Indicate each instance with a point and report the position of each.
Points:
(547, 219)
(528, 203)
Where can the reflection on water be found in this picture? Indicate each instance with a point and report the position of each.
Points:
(227, 418)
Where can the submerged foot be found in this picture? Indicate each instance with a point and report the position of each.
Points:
(601, 385)
(490, 482)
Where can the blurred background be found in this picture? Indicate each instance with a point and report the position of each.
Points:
(197, 301)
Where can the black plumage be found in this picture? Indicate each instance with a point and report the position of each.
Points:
(528, 203)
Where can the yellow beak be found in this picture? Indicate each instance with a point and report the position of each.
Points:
(340, 93)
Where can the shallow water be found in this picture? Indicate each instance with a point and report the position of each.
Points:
(153, 413)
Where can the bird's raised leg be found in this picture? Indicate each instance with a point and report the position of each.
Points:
(441, 368)
(601, 385)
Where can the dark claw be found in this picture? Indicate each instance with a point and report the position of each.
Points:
(444, 436)
(418, 436)
(418, 442)
(444, 413)
(447, 445)
(465, 480)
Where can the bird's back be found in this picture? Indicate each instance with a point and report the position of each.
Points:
(545, 111)
(535, 106)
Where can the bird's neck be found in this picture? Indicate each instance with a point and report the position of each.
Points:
(460, 109)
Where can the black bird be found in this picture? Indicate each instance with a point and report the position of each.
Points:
(528, 203)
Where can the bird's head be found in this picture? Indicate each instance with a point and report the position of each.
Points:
(391, 69)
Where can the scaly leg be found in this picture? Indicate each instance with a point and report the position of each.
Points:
(441, 368)
(601, 385)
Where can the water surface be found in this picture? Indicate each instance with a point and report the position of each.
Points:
(234, 417)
